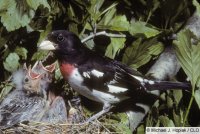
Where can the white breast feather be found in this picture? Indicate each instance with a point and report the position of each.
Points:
(76, 82)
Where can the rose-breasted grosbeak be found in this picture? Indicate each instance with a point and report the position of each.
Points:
(96, 77)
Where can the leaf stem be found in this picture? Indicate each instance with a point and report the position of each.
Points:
(189, 107)
(103, 33)
(113, 5)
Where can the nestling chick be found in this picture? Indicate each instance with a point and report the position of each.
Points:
(57, 112)
(27, 101)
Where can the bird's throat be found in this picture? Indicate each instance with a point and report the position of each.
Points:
(66, 70)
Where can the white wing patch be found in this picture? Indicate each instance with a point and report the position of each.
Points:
(149, 81)
(143, 81)
(97, 73)
(86, 74)
(138, 78)
(116, 89)
(94, 72)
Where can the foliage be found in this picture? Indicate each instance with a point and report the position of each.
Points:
(136, 33)
(188, 55)
(140, 52)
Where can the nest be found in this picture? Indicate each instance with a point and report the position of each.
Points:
(95, 127)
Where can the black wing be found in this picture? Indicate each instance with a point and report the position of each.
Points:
(108, 75)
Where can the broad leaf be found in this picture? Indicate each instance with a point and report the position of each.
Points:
(141, 129)
(39, 55)
(90, 43)
(21, 51)
(188, 55)
(114, 47)
(112, 21)
(139, 53)
(5, 90)
(166, 122)
(107, 18)
(58, 75)
(119, 119)
(177, 118)
(12, 62)
(94, 9)
(197, 5)
(197, 97)
(178, 94)
(15, 14)
(36, 3)
(44, 33)
(169, 102)
(141, 28)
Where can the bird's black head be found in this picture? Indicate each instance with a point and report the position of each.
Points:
(61, 42)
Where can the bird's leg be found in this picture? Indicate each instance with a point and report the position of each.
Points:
(106, 108)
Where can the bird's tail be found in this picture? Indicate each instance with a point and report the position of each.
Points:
(167, 85)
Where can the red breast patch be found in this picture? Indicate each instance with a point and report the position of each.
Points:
(66, 69)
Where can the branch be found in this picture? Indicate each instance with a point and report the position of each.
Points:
(103, 33)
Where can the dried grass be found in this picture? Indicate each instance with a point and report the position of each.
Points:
(95, 127)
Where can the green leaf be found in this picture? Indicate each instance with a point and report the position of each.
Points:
(139, 53)
(197, 97)
(6, 89)
(115, 22)
(188, 55)
(197, 5)
(90, 43)
(73, 28)
(12, 62)
(58, 75)
(177, 119)
(39, 55)
(169, 102)
(120, 120)
(94, 9)
(141, 28)
(114, 47)
(15, 14)
(21, 51)
(178, 94)
(47, 30)
(156, 48)
(141, 129)
(36, 3)
(107, 18)
(166, 122)
(88, 26)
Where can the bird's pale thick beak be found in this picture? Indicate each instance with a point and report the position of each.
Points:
(46, 45)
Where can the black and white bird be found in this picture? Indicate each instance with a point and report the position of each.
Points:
(97, 77)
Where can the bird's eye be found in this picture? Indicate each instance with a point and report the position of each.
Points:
(60, 38)
(26, 80)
